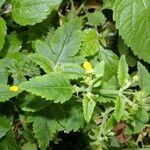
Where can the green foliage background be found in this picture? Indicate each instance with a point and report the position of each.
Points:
(70, 67)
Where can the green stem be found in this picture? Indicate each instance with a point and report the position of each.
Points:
(106, 92)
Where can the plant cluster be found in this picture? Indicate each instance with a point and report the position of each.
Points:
(74, 67)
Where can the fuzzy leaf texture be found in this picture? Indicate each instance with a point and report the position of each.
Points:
(46, 123)
(27, 12)
(64, 45)
(88, 108)
(122, 71)
(132, 20)
(144, 78)
(119, 109)
(53, 86)
(3, 29)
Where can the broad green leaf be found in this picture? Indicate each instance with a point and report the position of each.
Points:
(27, 12)
(131, 18)
(144, 78)
(4, 126)
(95, 18)
(88, 108)
(9, 142)
(3, 29)
(66, 42)
(53, 86)
(46, 123)
(90, 43)
(119, 109)
(43, 61)
(140, 120)
(5, 93)
(110, 124)
(122, 71)
(111, 62)
(44, 130)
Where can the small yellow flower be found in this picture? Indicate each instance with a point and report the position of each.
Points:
(14, 88)
(88, 67)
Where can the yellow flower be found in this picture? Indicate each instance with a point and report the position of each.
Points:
(88, 67)
(14, 88)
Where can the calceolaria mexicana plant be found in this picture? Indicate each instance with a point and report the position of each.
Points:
(74, 74)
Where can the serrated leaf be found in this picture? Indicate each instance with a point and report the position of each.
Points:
(111, 62)
(88, 108)
(43, 49)
(53, 86)
(119, 109)
(6, 94)
(134, 27)
(144, 78)
(43, 61)
(27, 12)
(4, 126)
(46, 123)
(90, 43)
(122, 71)
(110, 124)
(3, 29)
(43, 129)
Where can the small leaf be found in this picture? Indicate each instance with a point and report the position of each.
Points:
(27, 12)
(110, 124)
(119, 109)
(3, 29)
(88, 108)
(53, 86)
(144, 78)
(122, 71)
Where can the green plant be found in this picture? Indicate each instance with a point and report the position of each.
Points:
(59, 73)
